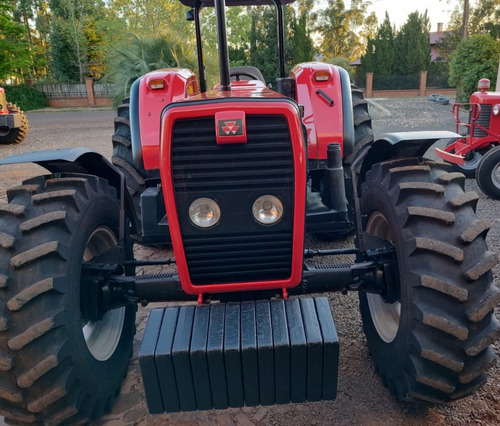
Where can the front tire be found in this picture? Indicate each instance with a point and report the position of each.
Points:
(471, 162)
(55, 367)
(363, 130)
(488, 173)
(434, 343)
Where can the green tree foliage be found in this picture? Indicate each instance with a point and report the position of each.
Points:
(403, 53)
(26, 98)
(14, 51)
(485, 18)
(302, 49)
(264, 41)
(384, 46)
(413, 50)
(475, 58)
(338, 28)
(81, 32)
(263, 50)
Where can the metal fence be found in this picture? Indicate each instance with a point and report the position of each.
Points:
(395, 82)
(75, 90)
(103, 90)
(57, 91)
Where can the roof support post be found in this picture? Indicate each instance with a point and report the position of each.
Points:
(199, 47)
(220, 18)
(281, 36)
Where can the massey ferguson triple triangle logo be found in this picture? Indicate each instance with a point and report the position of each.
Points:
(230, 127)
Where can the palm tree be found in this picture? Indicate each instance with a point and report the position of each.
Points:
(139, 56)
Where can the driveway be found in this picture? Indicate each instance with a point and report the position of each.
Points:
(362, 398)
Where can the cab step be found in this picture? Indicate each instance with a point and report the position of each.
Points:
(233, 354)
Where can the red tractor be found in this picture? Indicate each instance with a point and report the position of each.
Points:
(477, 153)
(13, 122)
(242, 172)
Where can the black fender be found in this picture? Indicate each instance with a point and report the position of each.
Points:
(347, 113)
(396, 145)
(70, 160)
(79, 161)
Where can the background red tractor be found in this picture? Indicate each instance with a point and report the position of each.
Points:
(233, 178)
(477, 153)
(13, 122)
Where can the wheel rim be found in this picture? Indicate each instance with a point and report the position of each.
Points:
(385, 316)
(102, 337)
(471, 161)
(495, 175)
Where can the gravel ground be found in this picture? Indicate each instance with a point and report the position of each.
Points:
(362, 398)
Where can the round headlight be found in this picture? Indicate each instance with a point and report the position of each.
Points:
(204, 212)
(267, 209)
(496, 109)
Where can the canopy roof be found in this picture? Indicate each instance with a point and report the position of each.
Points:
(192, 3)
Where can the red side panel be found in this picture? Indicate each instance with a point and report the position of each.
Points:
(210, 109)
(322, 117)
(179, 84)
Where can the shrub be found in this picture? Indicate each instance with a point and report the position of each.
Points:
(475, 58)
(26, 98)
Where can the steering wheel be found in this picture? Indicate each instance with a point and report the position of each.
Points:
(238, 73)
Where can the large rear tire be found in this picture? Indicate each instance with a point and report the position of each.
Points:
(434, 343)
(488, 173)
(363, 131)
(54, 366)
(18, 134)
(135, 177)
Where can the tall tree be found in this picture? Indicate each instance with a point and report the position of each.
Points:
(380, 56)
(14, 51)
(303, 49)
(76, 38)
(475, 58)
(338, 28)
(264, 41)
(385, 47)
(412, 45)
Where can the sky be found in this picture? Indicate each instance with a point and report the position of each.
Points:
(438, 11)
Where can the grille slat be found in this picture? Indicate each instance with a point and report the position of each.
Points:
(264, 163)
(483, 120)
(265, 141)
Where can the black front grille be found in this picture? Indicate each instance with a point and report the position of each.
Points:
(200, 164)
(239, 257)
(237, 249)
(483, 120)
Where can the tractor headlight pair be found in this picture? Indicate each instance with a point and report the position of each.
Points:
(205, 212)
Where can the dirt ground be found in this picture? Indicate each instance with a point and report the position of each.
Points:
(362, 398)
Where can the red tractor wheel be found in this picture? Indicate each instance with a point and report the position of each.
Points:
(488, 173)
